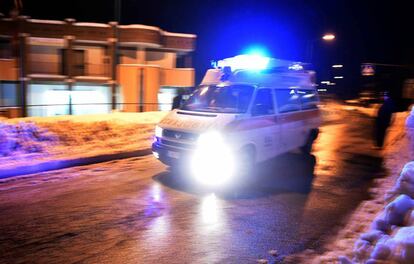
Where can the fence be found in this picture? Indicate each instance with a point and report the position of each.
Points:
(12, 111)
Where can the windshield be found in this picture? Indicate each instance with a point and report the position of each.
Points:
(220, 99)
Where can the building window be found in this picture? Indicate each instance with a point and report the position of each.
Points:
(8, 94)
(166, 96)
(44, 59)
(45, 99)
(5, 49)
(48, 99)
(91, 61)
(91, 99)
(78, 62)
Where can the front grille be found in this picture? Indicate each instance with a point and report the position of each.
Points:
(179, 135)
(175, 144)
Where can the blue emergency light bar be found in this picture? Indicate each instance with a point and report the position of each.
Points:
(245, 62)
(256, 62)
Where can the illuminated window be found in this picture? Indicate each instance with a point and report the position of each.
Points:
(47, 99)
(51, 99)
(8, 93)
(91, 99)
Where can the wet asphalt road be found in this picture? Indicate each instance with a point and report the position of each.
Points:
(136, 211)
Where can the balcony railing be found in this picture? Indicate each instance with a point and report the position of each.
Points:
(56, 68)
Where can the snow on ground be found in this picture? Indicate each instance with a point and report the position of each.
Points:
(25, 141)
(374, 233)
(390, 237)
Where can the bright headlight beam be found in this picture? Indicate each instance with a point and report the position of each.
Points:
(213, 162)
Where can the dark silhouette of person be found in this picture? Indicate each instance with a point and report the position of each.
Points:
(383, 120)
(177, 100)
(393, 82)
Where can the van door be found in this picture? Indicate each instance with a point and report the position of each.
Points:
(266, 133)
(289, 118)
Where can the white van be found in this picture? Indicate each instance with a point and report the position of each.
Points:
(246, 110)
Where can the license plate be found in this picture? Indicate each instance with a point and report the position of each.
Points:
(173, 154)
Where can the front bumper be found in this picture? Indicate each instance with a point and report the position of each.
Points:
(169, 155)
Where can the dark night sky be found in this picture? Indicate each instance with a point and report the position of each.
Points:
(375, 31)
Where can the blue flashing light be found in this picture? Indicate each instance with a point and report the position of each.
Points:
(256, 50)
(246, 61)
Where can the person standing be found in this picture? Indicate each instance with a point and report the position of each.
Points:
(177, 100)
(383, 120)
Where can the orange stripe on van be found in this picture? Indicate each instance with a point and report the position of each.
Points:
(266, 121)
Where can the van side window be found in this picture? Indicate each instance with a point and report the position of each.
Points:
(308, 99)
(287, 100)
(263, 103)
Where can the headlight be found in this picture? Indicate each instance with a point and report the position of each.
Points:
(213, 161)
(158, 131)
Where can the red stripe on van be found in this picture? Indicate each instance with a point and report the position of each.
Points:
(265, 121)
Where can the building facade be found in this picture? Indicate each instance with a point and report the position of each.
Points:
(50, 67)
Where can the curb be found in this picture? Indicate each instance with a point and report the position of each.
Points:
(62, 164)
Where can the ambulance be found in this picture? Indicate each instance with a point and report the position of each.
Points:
(247, 109)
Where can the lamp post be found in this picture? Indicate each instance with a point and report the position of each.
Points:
(326, 37)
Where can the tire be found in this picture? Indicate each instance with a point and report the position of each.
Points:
(313, 135)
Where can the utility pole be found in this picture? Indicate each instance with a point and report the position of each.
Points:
(117, 11)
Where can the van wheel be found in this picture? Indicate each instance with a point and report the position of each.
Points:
(313, 135)
(247, 160)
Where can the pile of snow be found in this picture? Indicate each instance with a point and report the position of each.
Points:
(36, 139)
(23, 138)
(409, 125)
(390, 238)
(410, 120)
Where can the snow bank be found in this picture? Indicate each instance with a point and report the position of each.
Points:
(390, 238)
(23, 138)
(410, 120)
(26, 141)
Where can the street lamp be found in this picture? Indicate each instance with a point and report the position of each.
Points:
(326, 37)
